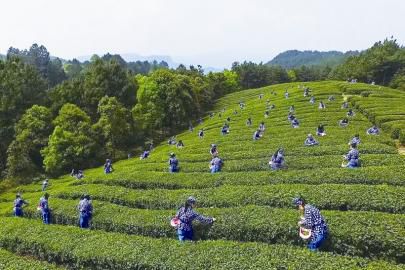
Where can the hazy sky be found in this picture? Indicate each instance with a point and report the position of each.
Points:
(210, 32)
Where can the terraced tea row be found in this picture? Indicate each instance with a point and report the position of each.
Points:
(327, 196)
(250, 223)
(10, 261)
(101, 250)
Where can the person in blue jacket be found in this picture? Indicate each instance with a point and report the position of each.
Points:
(187, 215)
(314, 221)
(295, 123)
(173, 163)
(257, 135)
(108, 166)
(310, 140)
(19, 202)
(85, 209)
(216, 164)
(277, 160)
(45, 210)
(352, 157)
(373, 130)
(355, 140)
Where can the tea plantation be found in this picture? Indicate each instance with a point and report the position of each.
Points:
(256, 226)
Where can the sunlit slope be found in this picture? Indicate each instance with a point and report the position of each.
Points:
(364, 207)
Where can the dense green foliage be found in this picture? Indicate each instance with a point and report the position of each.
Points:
(383, 63)
(9, 261)
(295, 59)
(100, 250)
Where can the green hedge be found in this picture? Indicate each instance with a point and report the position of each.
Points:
(364, 234)
(10, 261)
(129, 178)
(83, 249)
(327, 196)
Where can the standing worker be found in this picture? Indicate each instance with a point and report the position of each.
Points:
(85, 208)
(18, 205)
(45, 211)
(45, 184)
(173, 163)
(186, 215)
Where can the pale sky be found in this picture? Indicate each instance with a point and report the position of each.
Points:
(209, 32)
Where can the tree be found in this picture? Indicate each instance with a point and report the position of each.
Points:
(166, 101)
(39, 57)
(32, 133)
(115, 125)
(107, 78)
(73, 69)
(20, 87)
(70, 145)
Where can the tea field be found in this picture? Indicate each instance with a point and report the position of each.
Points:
(256, 223)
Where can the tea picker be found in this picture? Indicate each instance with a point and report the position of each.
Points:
(312, 226)
(183, 221)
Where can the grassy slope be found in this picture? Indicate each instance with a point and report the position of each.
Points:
(242, 193)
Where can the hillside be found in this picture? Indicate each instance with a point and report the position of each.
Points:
(256, 225)
(295, 58)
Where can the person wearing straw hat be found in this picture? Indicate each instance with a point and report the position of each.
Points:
(314, 221)
(173, 163)
(186, 215)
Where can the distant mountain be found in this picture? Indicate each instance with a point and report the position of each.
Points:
(2, 56)
(132, 57)
(295, 58)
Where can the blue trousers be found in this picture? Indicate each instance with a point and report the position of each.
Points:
(46, 217)
(317, 241)
(185, 235)
(173, 169)
(18, 212)
(276, 166)
(84, 221)
(353, 164)
(215, 169)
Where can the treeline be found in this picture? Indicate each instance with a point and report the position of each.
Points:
(294, 58)
(383, 63)
(56, 115)
(74, 68)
